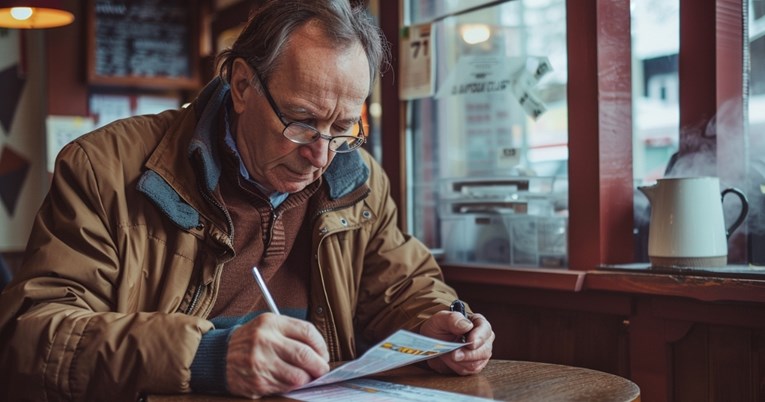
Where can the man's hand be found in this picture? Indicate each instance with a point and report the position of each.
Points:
(450, 326)
(273, 354)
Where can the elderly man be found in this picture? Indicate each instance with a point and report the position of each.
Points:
(137, 277)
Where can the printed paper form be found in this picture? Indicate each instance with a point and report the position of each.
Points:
(364, 389)
(400, 349)
(416, 55)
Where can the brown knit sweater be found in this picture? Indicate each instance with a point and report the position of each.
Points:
(277, 241)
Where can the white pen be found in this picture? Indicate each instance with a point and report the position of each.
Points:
(264, 290)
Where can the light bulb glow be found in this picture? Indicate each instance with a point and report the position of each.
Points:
(33, 17)
(475, 33)
(21, 13)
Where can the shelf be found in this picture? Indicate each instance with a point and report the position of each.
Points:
(732, 283)
(539, 278)
(735, 283)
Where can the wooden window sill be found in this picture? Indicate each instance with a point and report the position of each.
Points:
(734, 283)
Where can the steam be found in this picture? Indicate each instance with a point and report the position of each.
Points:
(701, 155)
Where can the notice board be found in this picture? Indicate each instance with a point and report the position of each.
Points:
(143, 43)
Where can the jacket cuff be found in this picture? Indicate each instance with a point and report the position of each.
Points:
(208, 370)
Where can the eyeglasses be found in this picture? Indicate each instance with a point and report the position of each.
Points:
(301, 133)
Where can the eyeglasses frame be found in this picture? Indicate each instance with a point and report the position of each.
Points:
(360, 140)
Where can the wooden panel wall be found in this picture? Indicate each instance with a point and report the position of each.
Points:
(674, 348)
(555, 327)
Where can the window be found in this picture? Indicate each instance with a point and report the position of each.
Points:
(488, 151)
(695, 92)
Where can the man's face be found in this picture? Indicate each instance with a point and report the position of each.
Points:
(316, 84)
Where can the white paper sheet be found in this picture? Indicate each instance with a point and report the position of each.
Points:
(367, 390)
(400, 349)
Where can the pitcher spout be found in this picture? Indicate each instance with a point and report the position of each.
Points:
(649, 191)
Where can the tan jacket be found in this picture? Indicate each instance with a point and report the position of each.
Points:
(125, 256)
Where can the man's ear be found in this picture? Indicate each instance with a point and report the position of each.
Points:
(240, 82)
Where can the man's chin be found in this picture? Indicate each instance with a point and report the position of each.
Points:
(291, 183)
(293, 186)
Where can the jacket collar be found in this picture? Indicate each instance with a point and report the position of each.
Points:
(346, 173)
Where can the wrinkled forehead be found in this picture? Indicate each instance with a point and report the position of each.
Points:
(311, 58)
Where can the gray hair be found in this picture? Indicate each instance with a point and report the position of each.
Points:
(268, 31)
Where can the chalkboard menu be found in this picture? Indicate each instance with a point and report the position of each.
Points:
(150, 43)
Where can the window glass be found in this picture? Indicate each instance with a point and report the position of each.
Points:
(657, 128)
(755, 72)
(488, 152)
(419, 11)
(655, 28)
(655, 85)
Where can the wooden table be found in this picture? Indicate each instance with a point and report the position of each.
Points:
(506, 380)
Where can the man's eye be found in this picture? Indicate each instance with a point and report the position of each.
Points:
(306, 122)
(341, 129)
(302, 121)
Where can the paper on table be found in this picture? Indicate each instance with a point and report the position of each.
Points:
(400, 349)
(373, 390)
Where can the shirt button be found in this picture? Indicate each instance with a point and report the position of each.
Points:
(343, 222)
(320, 310)
(366, 214)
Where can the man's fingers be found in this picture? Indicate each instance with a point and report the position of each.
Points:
(287, 376)
(298, 354)
(273, 354)
(306, 333)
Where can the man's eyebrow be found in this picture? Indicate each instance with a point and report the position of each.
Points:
(347, 121)
(350, 120)
(302, 110)
(299, 110)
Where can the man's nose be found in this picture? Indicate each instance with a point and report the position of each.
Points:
(317, 152)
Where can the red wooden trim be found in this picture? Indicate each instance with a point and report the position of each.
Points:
(696, 72)
(600, 133)
(650, 354)
(537, 278)
(703, 288)
(393, 125)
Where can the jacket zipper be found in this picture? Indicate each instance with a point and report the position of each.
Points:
(331, 328)
(194, 300)
(220, 207)
(230, 223)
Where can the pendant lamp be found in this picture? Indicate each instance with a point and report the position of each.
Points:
(33, 14)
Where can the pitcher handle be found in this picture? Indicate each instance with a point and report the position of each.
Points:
(744, 209)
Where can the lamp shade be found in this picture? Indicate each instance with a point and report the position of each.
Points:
(33, 14)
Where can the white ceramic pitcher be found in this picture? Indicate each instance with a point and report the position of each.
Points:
(687, 228)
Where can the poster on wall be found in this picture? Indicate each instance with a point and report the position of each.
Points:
(61, 130)
(22, 185)
(106, 108)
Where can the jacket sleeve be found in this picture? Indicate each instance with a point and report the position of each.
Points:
(69, 329)
(402, 284)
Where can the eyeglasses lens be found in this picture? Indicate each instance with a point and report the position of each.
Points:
(305, 134)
